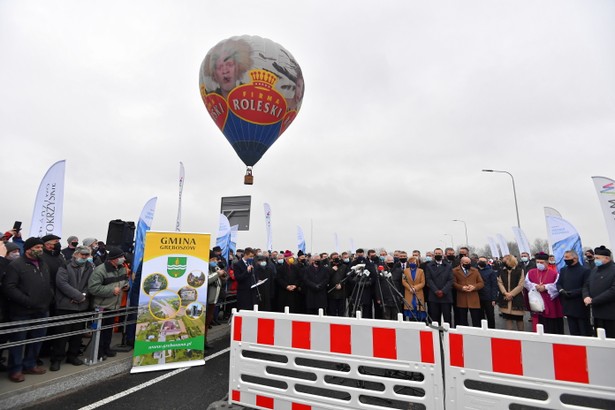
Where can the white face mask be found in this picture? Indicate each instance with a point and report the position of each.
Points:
(540, 266)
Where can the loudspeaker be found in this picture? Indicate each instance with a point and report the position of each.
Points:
(121, 234)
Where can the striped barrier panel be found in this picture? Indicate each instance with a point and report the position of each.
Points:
(308, 362)
(500, 369)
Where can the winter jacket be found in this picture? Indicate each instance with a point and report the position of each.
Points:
(27, 287)
(71, 284)
(601, 288)
(490, 278)
(103, 280)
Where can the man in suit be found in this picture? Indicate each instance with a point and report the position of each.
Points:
(245, 277)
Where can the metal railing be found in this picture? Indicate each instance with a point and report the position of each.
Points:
(92, 323)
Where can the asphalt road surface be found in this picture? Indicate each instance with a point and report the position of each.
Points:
(189, 388)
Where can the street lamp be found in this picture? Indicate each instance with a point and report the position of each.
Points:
(514, 191)
(452, 244)
(465, 225)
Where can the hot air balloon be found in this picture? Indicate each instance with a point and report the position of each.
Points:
(252, 88)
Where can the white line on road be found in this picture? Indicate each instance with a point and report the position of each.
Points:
(147, 383)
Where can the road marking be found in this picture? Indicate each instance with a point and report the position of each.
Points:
(147, 383)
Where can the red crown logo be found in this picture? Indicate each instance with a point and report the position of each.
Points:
(263, 78)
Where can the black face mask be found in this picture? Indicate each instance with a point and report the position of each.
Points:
(403, 260)
(375, 259)
(390, 264)
(74, 244)
(467, 266)
(568, 262)
(482, 264)
(450, 257)
(438, 257)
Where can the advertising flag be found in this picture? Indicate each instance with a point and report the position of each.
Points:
(563, 237)
(522, 242)
(178, 224)
(300, 239)
(495, 253)
(605, 188)
(145, 224)
(49, 203)
(503, 245)
(268, 226)
(170, 330)
(234, 233)
(223, 239)
(551, 212)
(336, 243)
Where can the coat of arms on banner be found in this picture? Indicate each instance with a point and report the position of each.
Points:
(176, 266)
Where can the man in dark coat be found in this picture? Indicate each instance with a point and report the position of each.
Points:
(288, 281)
(439, 277)
(245, 277)
(264, 271)
(28, 289)
(599, 291)
(71, 297)
(570, 287)
(315, 279)
(336, 303)
(489, 293)
(364, 281)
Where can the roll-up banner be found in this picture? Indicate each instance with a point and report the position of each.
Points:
(171, 318)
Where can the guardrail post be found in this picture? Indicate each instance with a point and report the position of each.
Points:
(96, 325)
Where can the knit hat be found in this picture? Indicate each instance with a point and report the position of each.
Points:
(88, 241)
(50, 237)
(114, 253)
(287, 254)
(603, 250)
(32, 242)
(72, 238)
(10, 247)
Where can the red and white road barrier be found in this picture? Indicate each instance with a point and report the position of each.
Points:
(299, 362)
(499, 369)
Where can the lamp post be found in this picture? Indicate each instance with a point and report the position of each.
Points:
(514, 191)
(452, 243)
(465, 225)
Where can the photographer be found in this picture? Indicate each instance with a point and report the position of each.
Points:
(215, 282)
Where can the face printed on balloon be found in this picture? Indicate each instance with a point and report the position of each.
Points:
(252, 88)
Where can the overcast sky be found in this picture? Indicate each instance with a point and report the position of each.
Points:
(405, 103)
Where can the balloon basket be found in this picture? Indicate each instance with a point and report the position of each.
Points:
(248, 179)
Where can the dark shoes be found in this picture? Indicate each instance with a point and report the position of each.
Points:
(55, 366)
(16, 377)
(110, 353)
(75, 361)
(35, 370)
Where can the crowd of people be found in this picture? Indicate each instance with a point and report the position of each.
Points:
(459, 289)
(39, 278)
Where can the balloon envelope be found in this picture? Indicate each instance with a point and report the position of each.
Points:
(252, 88)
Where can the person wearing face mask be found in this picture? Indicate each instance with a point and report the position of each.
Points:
(71, 297)
(216, 279)
(263, 270)
(8, 253)
(589, 259)
(336, 290)
(413, 281)
(511, 279)
(106, 285)
(67, 252)
(29, 293)
(389, 278)
(489, 293)
(543, 280)
(439, 278)
(570, 288)
(467, 282)
(377, 294)
(92, 243)
(52, 255)
(287, 280)
(247, 296)
(599, 291)
(527, 263)
(315, 280)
